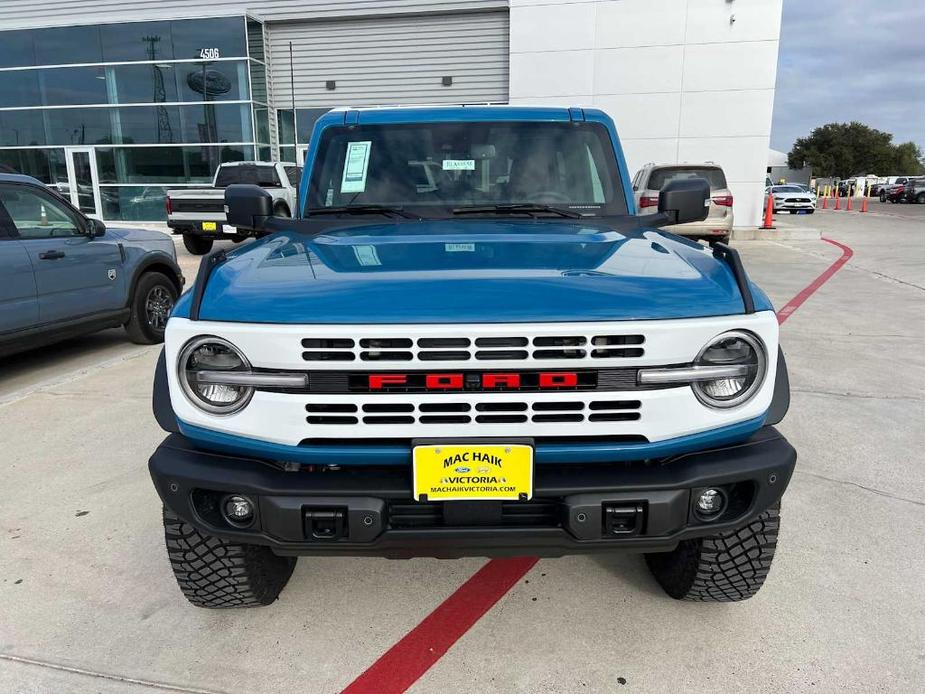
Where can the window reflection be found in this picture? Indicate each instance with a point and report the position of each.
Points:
(66, 86)
(165, 164)
(16, 48)
(151, 83)
(63, 45)
(137, 41)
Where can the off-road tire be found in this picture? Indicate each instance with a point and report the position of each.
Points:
(140, 328)
(920, 198)
(727, 567)
(218, 574)
(197, 245)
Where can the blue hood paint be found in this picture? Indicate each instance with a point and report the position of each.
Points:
(470, 271)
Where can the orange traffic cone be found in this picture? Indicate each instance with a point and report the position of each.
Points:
(864, 204)
(848, 205)
(837, 200)
(825, 202)
(769, 214)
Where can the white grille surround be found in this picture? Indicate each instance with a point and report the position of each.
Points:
(285, 418)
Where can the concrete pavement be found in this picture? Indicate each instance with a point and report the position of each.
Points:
(88, 602)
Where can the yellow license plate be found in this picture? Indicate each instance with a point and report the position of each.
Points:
(209, 226)
(455, 472)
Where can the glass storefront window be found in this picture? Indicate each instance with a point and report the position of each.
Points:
(285, 127)
(75, 126)
(47, 165)
(259, 83)
(287, 154)
(16, 48)
(306, 118)
(136, 41)
(134, 203)
(212, 81)
(264, 154)
(255, 40)
(150, 83)
(20, 88)
(165, 164)
(66, 86)
(146, 124)
(262, 120)
(226, 34)
(21, 128)
(216, 123)
(65, 45)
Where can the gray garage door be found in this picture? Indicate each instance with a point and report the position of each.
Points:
(392, 60)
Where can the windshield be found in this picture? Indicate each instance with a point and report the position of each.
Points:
(660, 177)
(437, 168)
(788, 189)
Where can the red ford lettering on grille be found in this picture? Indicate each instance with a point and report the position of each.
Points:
(380, 381)
(444, 382)
(501, 381)
(558, 380)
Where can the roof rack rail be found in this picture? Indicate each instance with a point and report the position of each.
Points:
(731, 257)
(206, 266)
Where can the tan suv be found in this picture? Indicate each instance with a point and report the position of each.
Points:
(651, 178)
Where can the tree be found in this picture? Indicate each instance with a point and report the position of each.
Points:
(909, 159)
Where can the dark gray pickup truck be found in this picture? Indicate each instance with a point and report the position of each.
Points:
(65, 274)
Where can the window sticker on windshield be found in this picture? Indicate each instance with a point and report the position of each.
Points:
(459, 247)
(459, 164)
(356, 164)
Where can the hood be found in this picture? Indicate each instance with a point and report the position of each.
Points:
(146, 239)
(469, 271)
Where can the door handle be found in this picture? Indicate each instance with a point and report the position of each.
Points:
(51, 255)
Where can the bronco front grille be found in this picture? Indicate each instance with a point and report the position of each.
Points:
(565, 411)
(461, 348)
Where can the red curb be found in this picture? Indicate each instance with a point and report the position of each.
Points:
(420, 648)
(797, 301)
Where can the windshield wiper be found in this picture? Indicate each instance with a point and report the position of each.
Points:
(517, 208)
(363, 209)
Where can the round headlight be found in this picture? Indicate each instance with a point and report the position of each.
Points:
(200, 367)
(734, 348)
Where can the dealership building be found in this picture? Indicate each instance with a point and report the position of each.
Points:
(115, 101)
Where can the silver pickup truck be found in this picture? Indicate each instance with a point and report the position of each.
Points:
(199, 213)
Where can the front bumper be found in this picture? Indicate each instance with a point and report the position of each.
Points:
(644, 506)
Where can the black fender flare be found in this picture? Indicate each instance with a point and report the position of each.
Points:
(780, 403)
(160, 401)
(152, 260)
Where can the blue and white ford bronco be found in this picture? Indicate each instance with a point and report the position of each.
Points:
(466, 342)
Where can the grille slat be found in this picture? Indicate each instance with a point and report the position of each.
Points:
(568, 347)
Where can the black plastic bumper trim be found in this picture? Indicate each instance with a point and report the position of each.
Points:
(764, 464)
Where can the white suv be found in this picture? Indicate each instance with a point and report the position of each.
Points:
(651, 178)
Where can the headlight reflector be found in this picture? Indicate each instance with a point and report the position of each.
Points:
(212, 354)
(734, 348)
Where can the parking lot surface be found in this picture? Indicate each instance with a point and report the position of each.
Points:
(88, 602)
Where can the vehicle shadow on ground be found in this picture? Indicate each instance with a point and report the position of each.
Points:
(630, 569)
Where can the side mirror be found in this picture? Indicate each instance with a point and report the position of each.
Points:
(248, 206)
(95, 228)
(686, 200)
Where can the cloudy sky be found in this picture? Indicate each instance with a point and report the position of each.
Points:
(857, 60)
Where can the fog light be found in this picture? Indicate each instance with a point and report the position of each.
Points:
(711, 502)
(238, 510)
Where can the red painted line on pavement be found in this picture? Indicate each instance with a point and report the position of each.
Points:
(420, 648)
(811, 288)
(405, 662)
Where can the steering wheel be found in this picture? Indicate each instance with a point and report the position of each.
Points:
(544, 196)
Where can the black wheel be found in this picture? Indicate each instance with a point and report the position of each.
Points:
(281, 209)
(810, 211)
(882, 197)
(197, 245)
(920, 198)
(728, 567)
(214, 573)
(152, 301)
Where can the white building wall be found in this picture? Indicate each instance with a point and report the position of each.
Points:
(685, 80)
